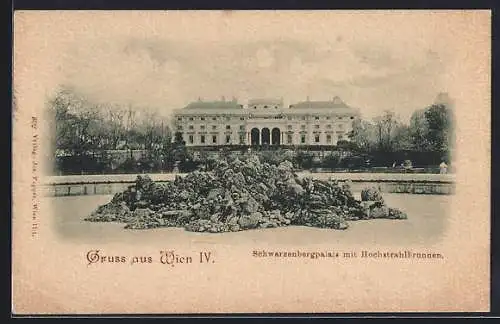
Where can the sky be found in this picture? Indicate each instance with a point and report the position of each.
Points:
(162, 61)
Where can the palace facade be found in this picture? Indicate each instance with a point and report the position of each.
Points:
(264, 122)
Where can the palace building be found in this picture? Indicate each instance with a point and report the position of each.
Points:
(264, 122)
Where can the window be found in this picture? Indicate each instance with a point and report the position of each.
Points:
(242, 118)
(202, 139)
(329, 126)
(191, 118)
(191, 127)
(214, 127)
(242, 127)
(340, 137)
(179, 127)
(340, 117)
(179, 118)
(303, 139)
(242, 139)
(214, 139)
(316, 138)
(328, 118)
(328, 138)
(289, 139)
(191, 139)
(316, 126)
(214, 118)
(228, 139)
(290, 126)
(303, 127)
(341, 126)
(228, 126)
(202, 127)
(276, 107)
(303, 118)
(265, 106)
(202, 118)
(317, 117)
(352, 117)
(228, 118)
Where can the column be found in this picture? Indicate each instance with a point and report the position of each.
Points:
(310, 135)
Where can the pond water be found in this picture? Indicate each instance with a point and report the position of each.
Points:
(426, 223)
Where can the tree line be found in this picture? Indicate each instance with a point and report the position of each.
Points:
(81, 125)
(85, 133)
(430, 130)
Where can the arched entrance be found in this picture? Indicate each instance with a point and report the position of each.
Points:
(275, 136)
(265, 136)
(254, 136)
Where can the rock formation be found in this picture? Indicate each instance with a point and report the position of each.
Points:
(241, 195)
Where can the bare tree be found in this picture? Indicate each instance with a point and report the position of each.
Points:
(385, 126)
(115, 124)
(75, 121)
(362, 134)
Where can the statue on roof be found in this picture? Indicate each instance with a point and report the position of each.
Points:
(337, 100)
(442, 99)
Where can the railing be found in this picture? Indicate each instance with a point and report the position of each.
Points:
(386, 182)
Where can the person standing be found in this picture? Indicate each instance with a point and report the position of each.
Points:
(443, 168)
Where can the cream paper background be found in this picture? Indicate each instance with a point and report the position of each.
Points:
(50, 275)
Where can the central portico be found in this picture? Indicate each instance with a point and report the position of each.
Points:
(266, 122)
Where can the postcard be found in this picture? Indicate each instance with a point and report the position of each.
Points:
(194, 162)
